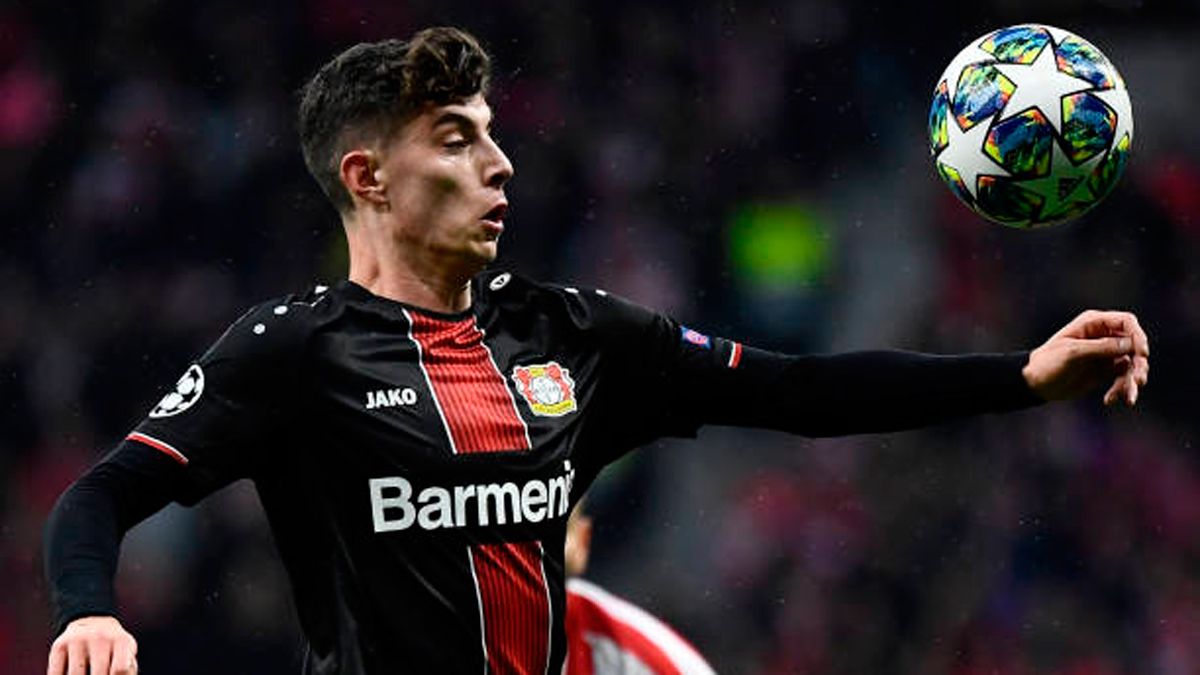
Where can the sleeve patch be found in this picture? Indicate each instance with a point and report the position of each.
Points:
(695, 337)
(187, 391)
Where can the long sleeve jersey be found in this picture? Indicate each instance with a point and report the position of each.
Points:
(417, 469)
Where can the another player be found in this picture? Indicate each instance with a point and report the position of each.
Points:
(419, 432)
(607, 635)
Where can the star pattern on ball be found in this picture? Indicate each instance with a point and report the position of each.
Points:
(1065, 185)
(1040, 84)
(964, 58)
(964, 154)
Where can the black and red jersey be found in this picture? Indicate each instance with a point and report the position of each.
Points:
(417, 468)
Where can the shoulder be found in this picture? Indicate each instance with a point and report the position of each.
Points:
(668, 646)
(278, 326)
(587, 309)
(590, 594)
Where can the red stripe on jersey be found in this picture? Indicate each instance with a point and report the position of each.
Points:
(481, 416)
(516, 609)
(477, 405)
(163, 447)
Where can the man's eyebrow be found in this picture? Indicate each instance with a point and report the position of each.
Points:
(459, 119)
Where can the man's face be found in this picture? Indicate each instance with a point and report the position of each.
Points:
(445, 179)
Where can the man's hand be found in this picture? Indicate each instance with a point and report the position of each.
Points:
(93, 645)
(1093, 349)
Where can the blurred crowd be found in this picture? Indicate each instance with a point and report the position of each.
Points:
(152, 188)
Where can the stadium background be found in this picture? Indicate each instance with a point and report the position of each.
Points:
(757, 169)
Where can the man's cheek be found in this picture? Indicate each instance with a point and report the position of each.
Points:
(446, 185)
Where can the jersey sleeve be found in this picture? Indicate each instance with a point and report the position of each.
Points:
(227, 415)
(84, 530)
(671, 380)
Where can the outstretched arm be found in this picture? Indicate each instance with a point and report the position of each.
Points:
(717, 381)
(682, 380)
(861, 392)
(889, 391)
(82, 541)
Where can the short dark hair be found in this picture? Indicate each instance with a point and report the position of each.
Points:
(374, 88)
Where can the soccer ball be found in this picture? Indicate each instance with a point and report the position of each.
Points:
(1030, 125)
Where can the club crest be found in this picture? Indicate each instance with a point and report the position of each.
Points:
(547, 388)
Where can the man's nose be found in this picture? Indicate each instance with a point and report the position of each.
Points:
(499, 169)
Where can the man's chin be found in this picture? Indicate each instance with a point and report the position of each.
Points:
(488, 250)
(478, 256)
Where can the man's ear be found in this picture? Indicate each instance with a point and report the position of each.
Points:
(361, 174)
(579, 543)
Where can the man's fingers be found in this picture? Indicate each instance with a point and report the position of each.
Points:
(124, 661)
(77, 663)
(1110, 347)
(1113, 394)
(1077, 327)
(99, 656)
(1141, 370)
(1120, 373)
(1121, 390)
(58, 659)
(1125, 323)
(1096, 339)
(93, 645)
(1125, 382)
(1094, 324)
(1141, 341)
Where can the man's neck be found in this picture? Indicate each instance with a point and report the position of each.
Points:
(423, 293)
(386, 269)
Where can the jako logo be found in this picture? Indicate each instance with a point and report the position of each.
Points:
(390, 398)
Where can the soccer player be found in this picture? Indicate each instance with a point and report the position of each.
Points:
(607, 635)
(418, 432)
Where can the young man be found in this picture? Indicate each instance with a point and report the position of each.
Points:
(418, 432)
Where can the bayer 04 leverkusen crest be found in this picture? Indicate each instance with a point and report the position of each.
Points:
(547, 388)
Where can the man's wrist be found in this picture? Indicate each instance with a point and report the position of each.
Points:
(68, 615)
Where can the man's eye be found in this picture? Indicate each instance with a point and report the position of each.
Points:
(457, 144)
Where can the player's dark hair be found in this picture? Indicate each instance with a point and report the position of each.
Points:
(372, 89)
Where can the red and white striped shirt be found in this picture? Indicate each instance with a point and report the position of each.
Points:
(609, 636)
